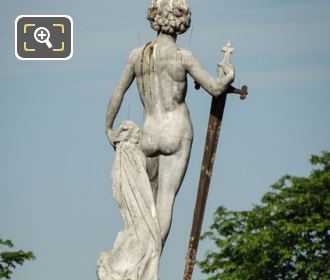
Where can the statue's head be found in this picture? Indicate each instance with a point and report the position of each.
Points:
(169, 16)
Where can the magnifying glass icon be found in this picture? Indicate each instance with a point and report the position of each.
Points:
(41, 35)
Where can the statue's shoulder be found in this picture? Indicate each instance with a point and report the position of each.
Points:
(135, 54)
(185, 55)
(183, 51)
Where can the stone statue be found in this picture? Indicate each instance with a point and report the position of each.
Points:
(160, 68)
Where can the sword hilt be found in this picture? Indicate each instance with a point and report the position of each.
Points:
(242, 91)
(228, 50)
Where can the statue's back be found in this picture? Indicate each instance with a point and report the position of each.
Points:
(161, 77)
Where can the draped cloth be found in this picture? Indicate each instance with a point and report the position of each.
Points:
(137, 248)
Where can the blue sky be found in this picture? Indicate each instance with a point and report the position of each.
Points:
(55, 161)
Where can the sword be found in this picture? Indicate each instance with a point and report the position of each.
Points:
(211, 143)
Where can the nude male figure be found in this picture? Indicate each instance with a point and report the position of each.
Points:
(160, 69)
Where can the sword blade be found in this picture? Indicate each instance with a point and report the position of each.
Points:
(211, 143)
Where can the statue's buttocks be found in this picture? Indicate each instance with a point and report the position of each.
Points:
(164, 132)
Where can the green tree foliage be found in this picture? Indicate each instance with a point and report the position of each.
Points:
(287, 236)
(9, 259)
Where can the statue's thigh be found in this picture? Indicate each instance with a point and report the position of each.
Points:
(152, 167)
(172, 169)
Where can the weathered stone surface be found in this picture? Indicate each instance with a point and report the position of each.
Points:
(137, 249)
(163, 147)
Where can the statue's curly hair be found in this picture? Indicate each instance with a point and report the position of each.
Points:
(169, 16)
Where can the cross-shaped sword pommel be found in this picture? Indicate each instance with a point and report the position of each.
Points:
(228, 49)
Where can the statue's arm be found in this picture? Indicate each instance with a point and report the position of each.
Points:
(116, 99)
(215, 87)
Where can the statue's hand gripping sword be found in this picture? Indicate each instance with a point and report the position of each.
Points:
(228, 50)
(211, 142)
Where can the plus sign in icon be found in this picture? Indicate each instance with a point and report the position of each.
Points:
(43, 37)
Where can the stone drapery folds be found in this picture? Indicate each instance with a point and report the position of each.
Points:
(136, 251)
